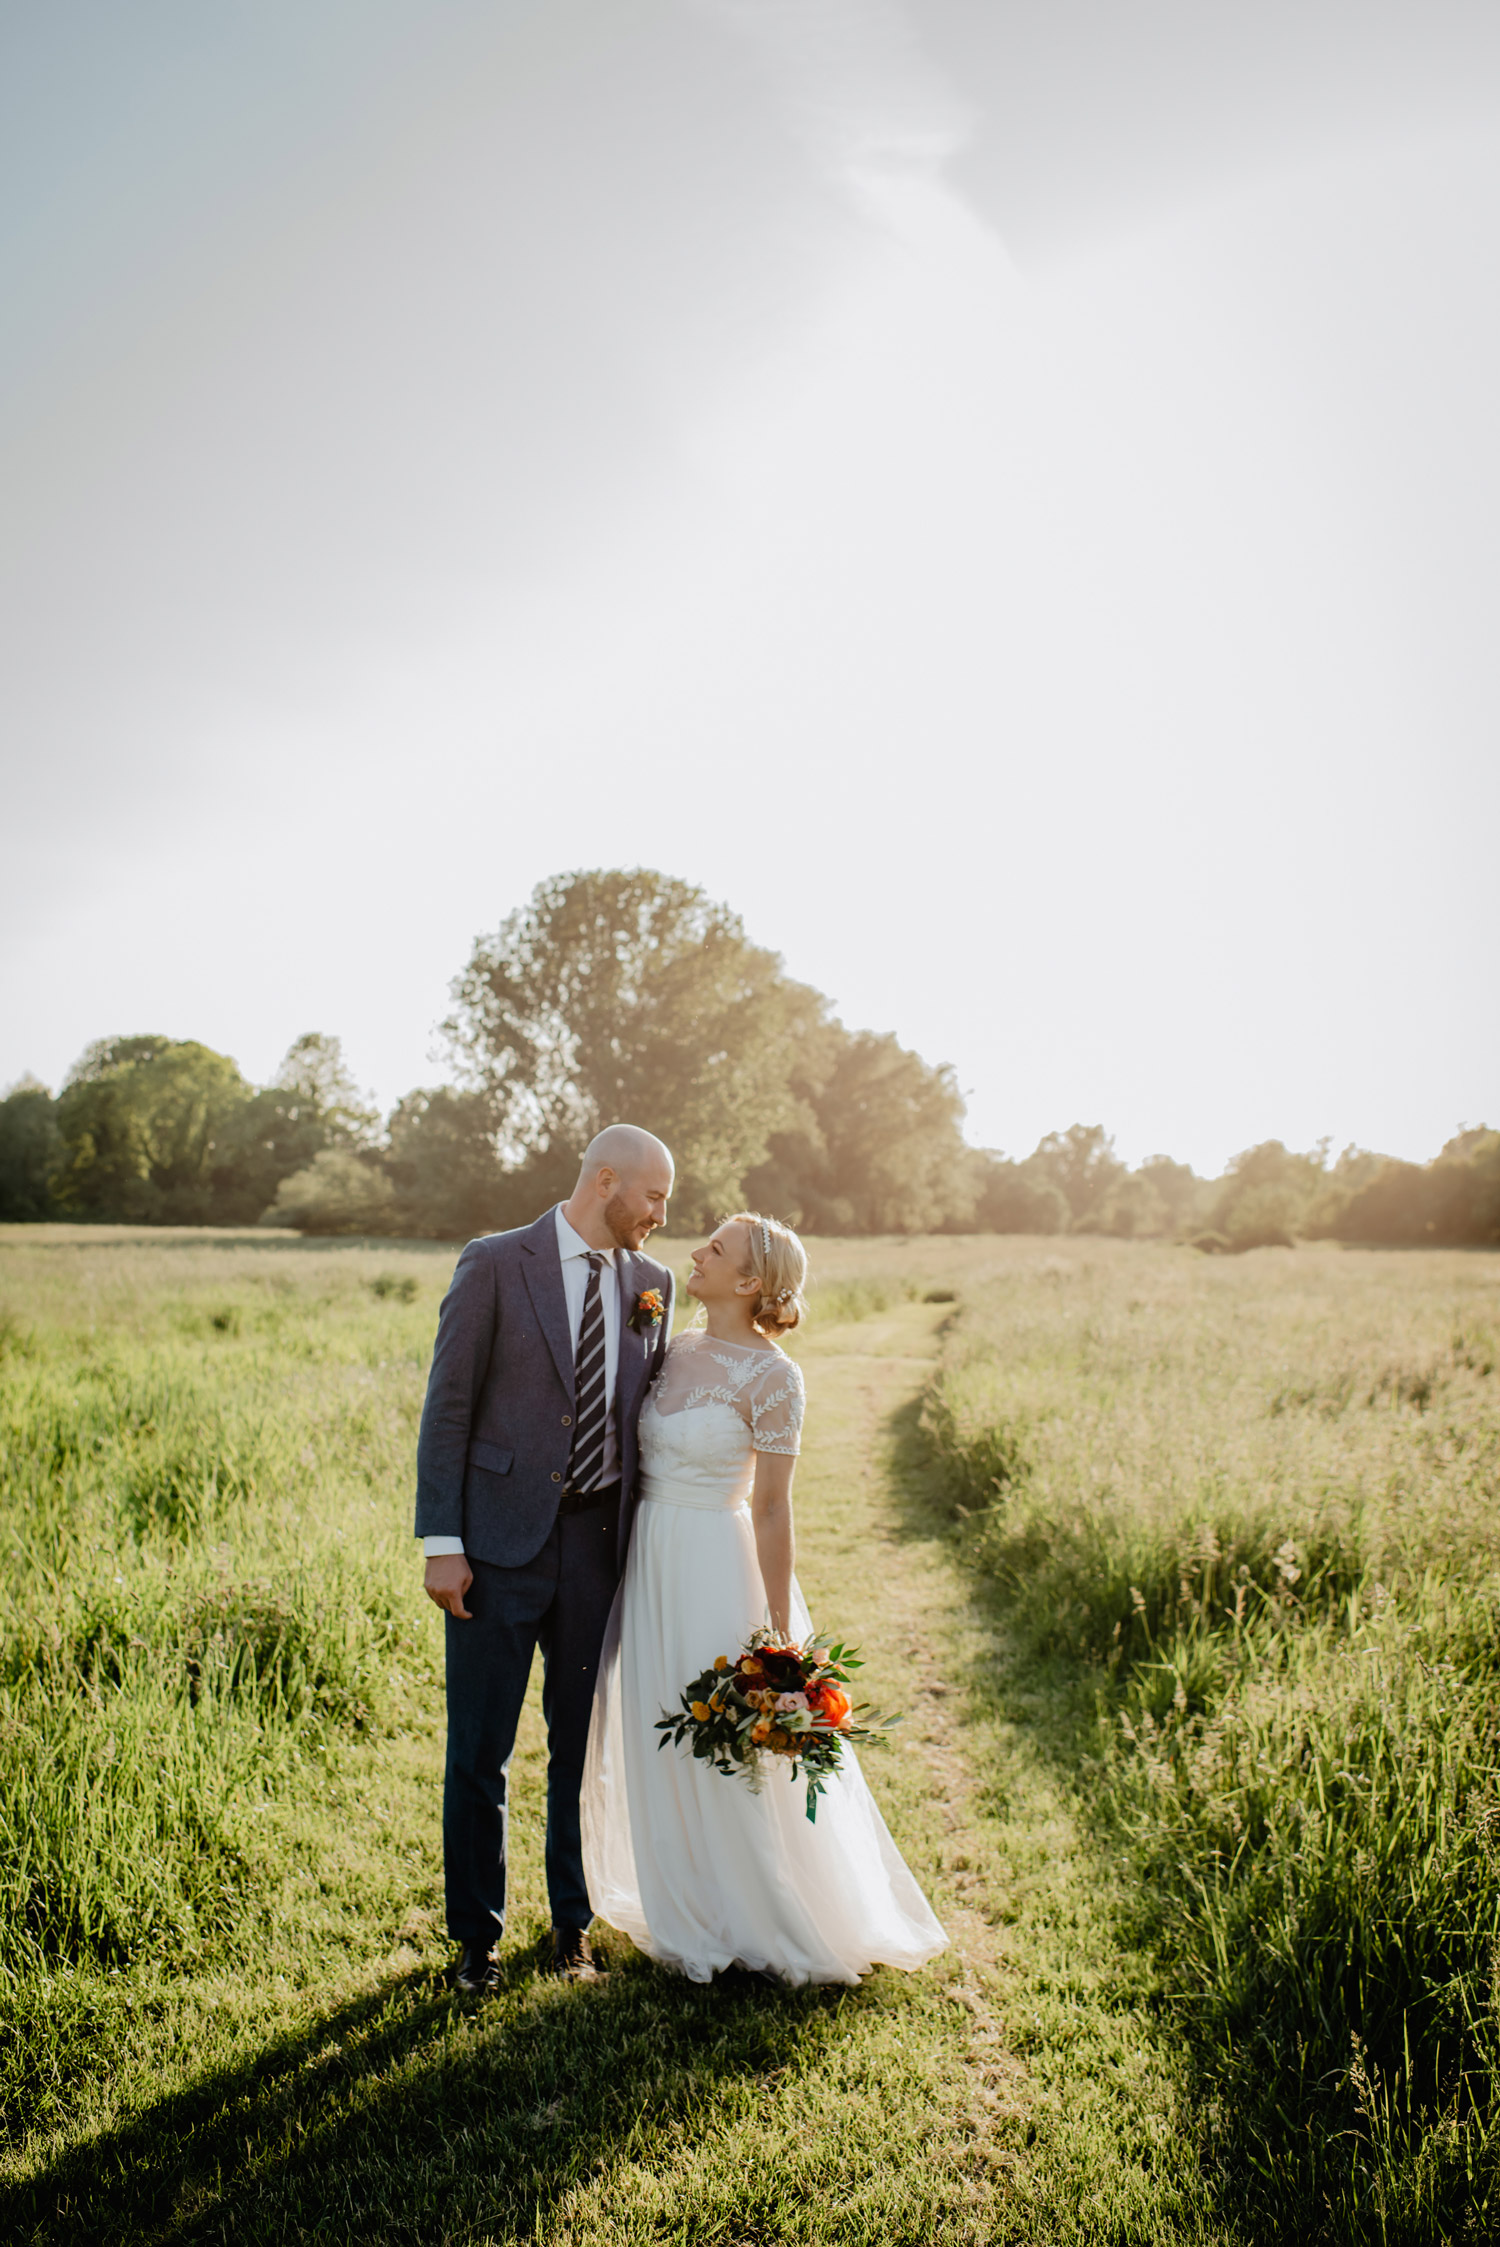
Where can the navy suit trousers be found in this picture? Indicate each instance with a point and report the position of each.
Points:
(559, 1601)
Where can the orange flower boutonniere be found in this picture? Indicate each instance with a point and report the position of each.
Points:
(649, 1311)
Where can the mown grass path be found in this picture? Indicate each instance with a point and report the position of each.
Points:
(1012, 2092)
(1063, 2118)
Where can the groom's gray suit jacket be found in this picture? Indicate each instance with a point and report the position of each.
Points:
(492, 1455)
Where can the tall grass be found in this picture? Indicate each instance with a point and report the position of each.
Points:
(223, 1982)
(1257, 1502)
(203, 1592)
(206, 1443)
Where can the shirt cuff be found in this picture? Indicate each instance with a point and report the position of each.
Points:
(433, 1548)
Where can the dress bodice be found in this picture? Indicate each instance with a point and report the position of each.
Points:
(710, 1409)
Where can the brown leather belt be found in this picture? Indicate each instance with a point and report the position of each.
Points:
(580, 1501)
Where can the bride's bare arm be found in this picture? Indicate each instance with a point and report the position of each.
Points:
(775, 1539)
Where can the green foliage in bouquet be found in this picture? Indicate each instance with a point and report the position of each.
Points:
(776, 1700)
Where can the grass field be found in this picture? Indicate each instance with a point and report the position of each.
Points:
(1184, 1570)
(1255, 1501)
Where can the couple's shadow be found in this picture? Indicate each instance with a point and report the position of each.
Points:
(410, 2114)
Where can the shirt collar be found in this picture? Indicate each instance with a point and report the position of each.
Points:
(571, 1243)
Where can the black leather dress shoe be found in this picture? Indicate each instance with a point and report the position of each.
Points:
(476, 1970)
(572, 1956)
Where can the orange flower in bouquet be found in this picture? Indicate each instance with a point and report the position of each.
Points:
(831, 1701)
(791, 1704)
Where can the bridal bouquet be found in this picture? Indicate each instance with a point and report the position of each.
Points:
(789, 1702)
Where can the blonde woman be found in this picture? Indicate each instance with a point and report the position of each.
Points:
(698, 1870)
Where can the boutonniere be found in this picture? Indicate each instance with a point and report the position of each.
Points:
(649, 1311)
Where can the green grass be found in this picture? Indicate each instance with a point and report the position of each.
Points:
(223, 1975)
(1184, 1569)
(1253, 1505)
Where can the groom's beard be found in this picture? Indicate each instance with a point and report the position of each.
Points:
(626, 1231)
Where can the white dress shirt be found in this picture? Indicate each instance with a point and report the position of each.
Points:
(575, 1252)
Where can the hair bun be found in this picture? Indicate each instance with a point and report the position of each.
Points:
(778, 1261)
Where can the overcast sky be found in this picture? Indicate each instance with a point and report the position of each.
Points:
(1005, 495)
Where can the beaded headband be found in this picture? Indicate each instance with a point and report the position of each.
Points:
(786, 1293)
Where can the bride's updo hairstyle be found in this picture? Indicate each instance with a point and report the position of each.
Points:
(778, 1261)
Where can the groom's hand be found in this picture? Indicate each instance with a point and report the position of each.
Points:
(448, 1576)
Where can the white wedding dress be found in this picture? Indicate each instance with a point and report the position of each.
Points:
(696, 1868)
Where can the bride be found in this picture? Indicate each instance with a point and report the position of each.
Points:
(698, 1870)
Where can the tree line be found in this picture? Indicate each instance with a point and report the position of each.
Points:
(614, 994)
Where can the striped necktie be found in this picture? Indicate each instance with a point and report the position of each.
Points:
(590, 1405)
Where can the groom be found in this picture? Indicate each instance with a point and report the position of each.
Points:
(547, 1340)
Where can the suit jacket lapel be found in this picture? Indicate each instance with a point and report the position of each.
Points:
(634, 1348)
(544, 1284)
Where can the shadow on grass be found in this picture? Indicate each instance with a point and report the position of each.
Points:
(1276, 2149)
(1056, 1697)
(409, 2114)
(1054, 1700)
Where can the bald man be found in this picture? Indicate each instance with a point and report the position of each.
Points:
(547, 1340)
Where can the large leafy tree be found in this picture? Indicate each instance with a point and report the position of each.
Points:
(315, 1086)
(30, 1151)
(449, 1181)
(311, 1105)
(1453, 1199)
(1082, 1164)
(875, 1145)
(631, 997)
(1266, 1194)
(891, 1123)
(1009, 1199)
(1182, 1193)
(145, 1124)
(155, 1130)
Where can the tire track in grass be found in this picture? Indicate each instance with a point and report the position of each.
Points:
(893, 1592)
(1070, 2126)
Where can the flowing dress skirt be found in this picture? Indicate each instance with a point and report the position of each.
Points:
(696, 1868)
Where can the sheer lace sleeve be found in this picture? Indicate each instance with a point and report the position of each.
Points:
(776, 1407)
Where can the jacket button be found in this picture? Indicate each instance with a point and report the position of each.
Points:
(557, 1478)
(567, 1419)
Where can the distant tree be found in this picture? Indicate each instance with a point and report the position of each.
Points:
(1475, 1142)
(631, 997)
(30, 1152)
(1133, 1209)
(1355, 1169)
(145, 1122)
(1082, 1164)
(1466, 1189)
(449, 1181)
(1451, 1201)
(1008, 1198)
(339, 1192)
(315, 1085)
(1267, 1194)
(875, 1145)
(1183, 1194)
(1392, 1204)
(1356, 1166)
(311, 1103)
